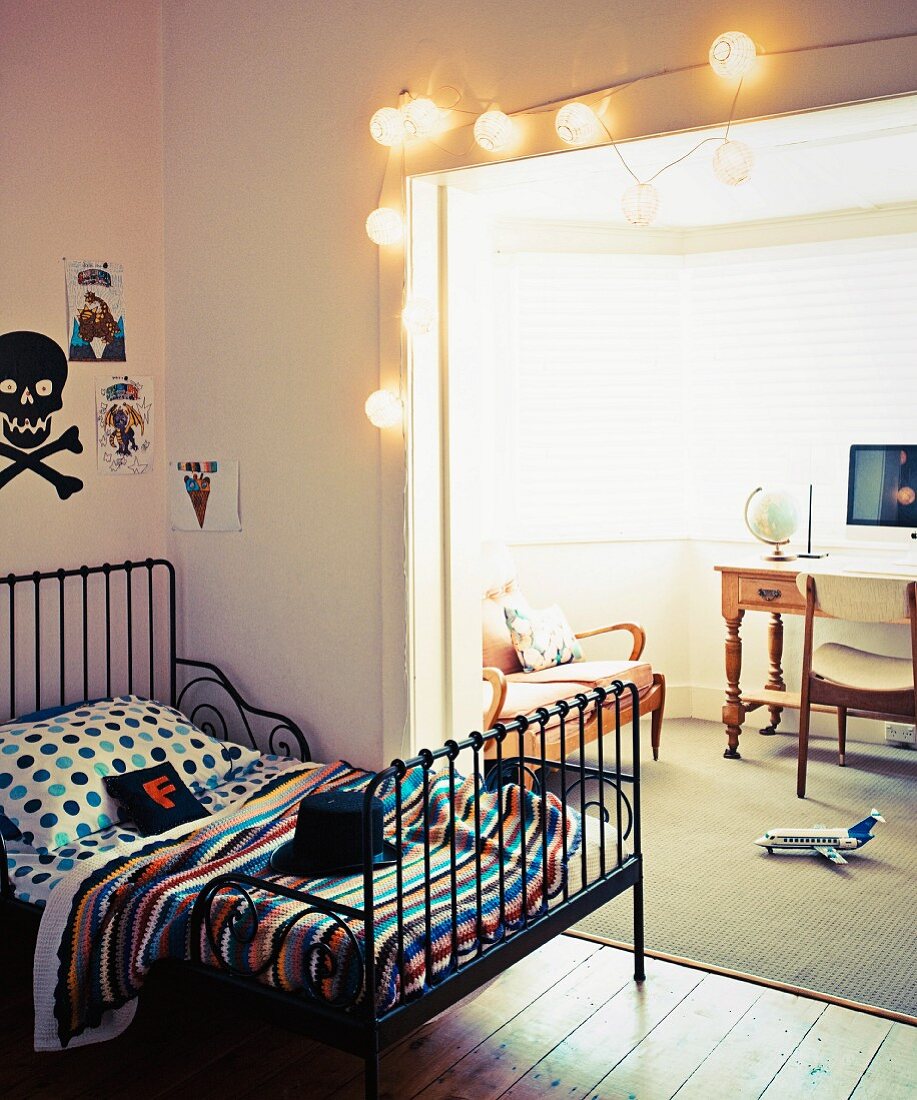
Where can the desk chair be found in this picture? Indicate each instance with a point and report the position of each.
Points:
(867, 684)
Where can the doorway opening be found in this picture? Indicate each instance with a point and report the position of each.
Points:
(603, 397)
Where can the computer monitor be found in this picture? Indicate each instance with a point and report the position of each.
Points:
(882, 485)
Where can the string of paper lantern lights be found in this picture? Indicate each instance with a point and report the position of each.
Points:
(731, 56)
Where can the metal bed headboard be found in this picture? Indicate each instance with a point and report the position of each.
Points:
(96, 630)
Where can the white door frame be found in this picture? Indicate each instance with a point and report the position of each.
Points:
(417, 689)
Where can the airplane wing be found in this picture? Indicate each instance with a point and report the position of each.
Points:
(829, 853)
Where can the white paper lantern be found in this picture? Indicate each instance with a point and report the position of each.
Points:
(383, 409)
(387, 126)
(733, 162)
(732, 54)
(640, 204)
(493, 131)
(385, 226)
(576, 124)
(422, 118)
(419, 316)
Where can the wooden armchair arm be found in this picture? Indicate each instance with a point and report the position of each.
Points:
(634, 629)
(498, 682)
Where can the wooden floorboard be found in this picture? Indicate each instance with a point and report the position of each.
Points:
(892, 1074)
(583, 1058)
(435, 1048)
(676, 1047)
(832, 1058)
(567, 1022)
(749, 1056)
(498, 1062)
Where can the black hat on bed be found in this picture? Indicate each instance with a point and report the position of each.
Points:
(329, 837)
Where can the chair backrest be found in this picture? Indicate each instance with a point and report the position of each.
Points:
(499, 587)
(859, 598)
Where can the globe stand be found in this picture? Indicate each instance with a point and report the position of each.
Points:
(778, 553)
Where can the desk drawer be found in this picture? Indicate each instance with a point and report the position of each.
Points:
(771, 594)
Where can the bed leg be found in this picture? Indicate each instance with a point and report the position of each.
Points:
(371, 1076)
(639, 961)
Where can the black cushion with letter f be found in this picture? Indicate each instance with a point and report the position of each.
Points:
(155, 799)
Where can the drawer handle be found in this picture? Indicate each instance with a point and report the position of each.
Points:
(769, 594)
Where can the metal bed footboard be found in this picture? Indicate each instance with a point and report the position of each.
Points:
(601, 792)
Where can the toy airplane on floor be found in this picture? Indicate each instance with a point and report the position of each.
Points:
(827, 842)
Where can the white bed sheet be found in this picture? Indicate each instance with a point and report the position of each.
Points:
(33, 876)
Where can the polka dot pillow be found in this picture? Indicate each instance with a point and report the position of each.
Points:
(51, 771)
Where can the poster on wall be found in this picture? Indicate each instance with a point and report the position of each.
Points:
(33, 374)
(204, 496)
(124, 424)
(94, 304)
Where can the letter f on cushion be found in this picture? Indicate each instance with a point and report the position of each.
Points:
(159, 789)
(562, 672)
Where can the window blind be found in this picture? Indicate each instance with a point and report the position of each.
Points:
(645, 396)
(792, 353)
(589, 375)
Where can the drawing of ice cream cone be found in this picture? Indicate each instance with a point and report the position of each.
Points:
(198, 489)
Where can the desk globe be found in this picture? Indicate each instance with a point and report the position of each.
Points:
(772, 517)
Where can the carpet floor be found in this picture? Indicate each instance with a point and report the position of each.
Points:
(715, 897)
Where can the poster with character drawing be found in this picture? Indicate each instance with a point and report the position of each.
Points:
(94, 303)
(124, 424)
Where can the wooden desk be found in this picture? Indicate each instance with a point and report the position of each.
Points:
(769, 587)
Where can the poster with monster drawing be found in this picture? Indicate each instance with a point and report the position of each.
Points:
(94, 303)
(204, 495)
(124, 424)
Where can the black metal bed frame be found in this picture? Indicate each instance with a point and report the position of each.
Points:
(92, 597)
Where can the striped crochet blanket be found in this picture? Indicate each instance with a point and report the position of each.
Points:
(100, 935)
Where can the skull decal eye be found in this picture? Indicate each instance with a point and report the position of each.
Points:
(7, 386)
(44, 387)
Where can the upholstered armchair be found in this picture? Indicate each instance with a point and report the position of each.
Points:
(509, 691)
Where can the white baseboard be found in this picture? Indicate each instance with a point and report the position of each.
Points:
(693, 701)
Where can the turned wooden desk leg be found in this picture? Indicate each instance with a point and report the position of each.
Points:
(733, 712)
(775, 681)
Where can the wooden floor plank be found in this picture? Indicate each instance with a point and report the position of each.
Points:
(753, 1052)
(573, 1067)
(832, 1058)
(553, 1025)
(167, 1041)
(438, 1045)
(892, 1074)
(497, 1063)
(667, 1057)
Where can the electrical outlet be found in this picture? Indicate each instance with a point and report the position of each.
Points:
(900, 731)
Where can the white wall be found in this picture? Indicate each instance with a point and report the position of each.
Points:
(271, 306)
(81, 176)
(599, 583)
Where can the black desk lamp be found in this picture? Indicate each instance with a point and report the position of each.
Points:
(808, 551)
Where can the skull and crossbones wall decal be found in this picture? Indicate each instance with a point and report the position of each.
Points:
(33, 373)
